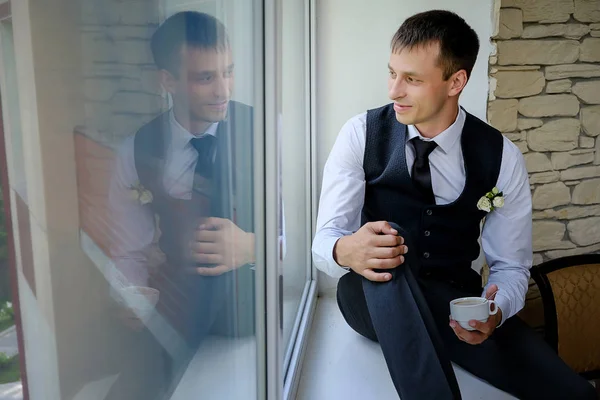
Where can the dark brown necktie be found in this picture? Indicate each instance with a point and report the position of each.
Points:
(421, 172)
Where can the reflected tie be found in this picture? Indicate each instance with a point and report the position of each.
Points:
(205, 147)
(203, 187)
(421, 173)
(203, 184)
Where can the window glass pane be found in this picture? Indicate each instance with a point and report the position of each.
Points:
(142, 221)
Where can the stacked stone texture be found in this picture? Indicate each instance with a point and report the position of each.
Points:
(545, 97)
(120, 83)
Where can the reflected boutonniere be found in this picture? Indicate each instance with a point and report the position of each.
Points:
(492, 200)
(140, 194)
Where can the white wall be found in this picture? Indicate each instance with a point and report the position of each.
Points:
(352, 41)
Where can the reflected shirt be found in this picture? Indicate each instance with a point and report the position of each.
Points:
(133, 230)
(506, 237)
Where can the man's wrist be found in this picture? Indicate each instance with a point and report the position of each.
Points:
(504, 306)
(338, 252)
(498, 317)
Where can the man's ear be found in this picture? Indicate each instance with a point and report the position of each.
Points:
(167, 81)
(458, 81)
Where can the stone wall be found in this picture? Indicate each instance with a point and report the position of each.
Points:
(121, 89)
(545, 97)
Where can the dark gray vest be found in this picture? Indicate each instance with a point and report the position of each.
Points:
(443, 236)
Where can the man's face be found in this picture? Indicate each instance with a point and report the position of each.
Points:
(204, 83)
(417, 86)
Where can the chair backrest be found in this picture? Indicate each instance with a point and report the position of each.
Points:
(570, 290)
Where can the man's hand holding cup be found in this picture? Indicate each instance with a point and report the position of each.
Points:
(474, 319)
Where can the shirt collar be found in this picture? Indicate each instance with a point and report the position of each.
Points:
(448, 138)
(180, 137)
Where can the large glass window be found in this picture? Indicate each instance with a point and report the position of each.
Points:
(146, 210)
(160, 171)
(160, 182)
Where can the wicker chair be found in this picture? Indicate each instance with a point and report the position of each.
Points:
(569, 289)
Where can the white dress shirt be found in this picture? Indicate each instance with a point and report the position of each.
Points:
(507, 233)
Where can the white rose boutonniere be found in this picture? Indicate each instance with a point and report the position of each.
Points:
(498, 202)
(484, 204)
(140, 194)
(492, 200)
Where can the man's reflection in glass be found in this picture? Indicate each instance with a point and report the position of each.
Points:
(181, 201)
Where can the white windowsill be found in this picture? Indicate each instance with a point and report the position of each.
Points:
(340, 364)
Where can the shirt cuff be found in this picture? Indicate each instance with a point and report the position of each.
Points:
(333, 268)
(502, 302)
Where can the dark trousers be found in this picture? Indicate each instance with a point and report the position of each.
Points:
(514, 359)
(197, 306)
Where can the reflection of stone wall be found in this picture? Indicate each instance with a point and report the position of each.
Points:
(94, 164)
(545, 96)
(121, 90)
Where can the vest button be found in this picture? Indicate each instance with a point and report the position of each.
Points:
(427, 233)
(429, 212)
(426, 255)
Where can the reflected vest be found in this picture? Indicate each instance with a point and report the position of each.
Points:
(188, 300)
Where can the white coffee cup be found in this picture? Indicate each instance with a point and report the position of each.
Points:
(465, 309)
